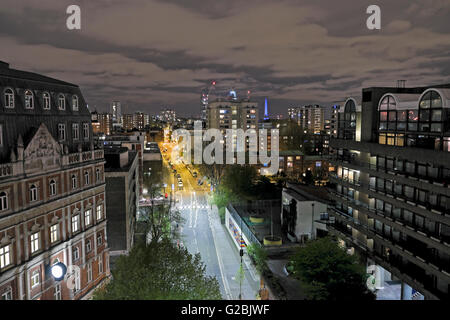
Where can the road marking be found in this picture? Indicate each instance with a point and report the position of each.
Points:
(219, 259)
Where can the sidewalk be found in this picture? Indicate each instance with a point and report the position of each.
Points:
(229, 255)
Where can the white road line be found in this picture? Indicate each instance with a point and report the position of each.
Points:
(219, 259)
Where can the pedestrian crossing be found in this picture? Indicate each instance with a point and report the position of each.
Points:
(194, 206)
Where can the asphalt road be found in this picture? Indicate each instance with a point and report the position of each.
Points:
(202, 233)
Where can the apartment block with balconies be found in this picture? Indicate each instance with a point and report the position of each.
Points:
(391, 188)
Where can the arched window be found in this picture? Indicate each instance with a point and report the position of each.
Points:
(29, 100)
(46, 100)
(75, 103)
(3, 201)
(9, 98)
(430, 112)
(389, 115)
(52, 187)
(61, 102)
(33, 193)
(347, 121)
(86, 178)
(74, 181)
(97, 174)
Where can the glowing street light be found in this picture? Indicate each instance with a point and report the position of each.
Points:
(58, 271)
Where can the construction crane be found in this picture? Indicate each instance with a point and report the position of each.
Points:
(205, 97)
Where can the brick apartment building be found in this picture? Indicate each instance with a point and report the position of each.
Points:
(52, 189)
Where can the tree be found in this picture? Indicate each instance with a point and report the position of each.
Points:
(327, 272)
(159, 219)
(259, 256)
(159, 271)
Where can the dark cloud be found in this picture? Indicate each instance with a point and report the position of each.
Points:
(151, 54)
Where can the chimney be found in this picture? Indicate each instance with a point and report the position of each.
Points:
(401, 84)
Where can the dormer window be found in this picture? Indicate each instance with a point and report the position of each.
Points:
(61, 102)
(9, 98)
(29, 100)
(46, 101)
(75, 103)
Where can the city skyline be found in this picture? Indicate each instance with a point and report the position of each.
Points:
(314, 53)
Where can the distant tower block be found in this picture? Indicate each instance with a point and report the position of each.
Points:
(266, 111)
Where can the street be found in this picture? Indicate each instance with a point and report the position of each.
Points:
(203, 233)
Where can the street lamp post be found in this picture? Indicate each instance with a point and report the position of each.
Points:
(312, 220)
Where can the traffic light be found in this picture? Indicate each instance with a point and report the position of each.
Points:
(166, 195)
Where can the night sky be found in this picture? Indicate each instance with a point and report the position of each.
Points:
(151, 54)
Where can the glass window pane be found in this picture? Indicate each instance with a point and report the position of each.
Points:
(425, 102)
(383, 116)
(424, 127)
(383, 125)
(401, 116)
(436, 115)
(413, 115)
(392, 116)
(436, 101)
(412, 126)
(436, 127)
(424, 115)
(401, 125)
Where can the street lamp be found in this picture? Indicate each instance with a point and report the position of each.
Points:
(58, 271)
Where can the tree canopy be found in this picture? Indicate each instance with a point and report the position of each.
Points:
(327, 272)
(159, 271)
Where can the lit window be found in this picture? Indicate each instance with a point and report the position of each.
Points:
(5, 256)
(9, 98)
(3, 201)
(88, 217)
(29, 101)
(54, 233)
(35, 278)
(46, 100)
(34, 241)
(61, 102)
(99, 212)
(74, 103)
(33, 193)
(75, 223)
